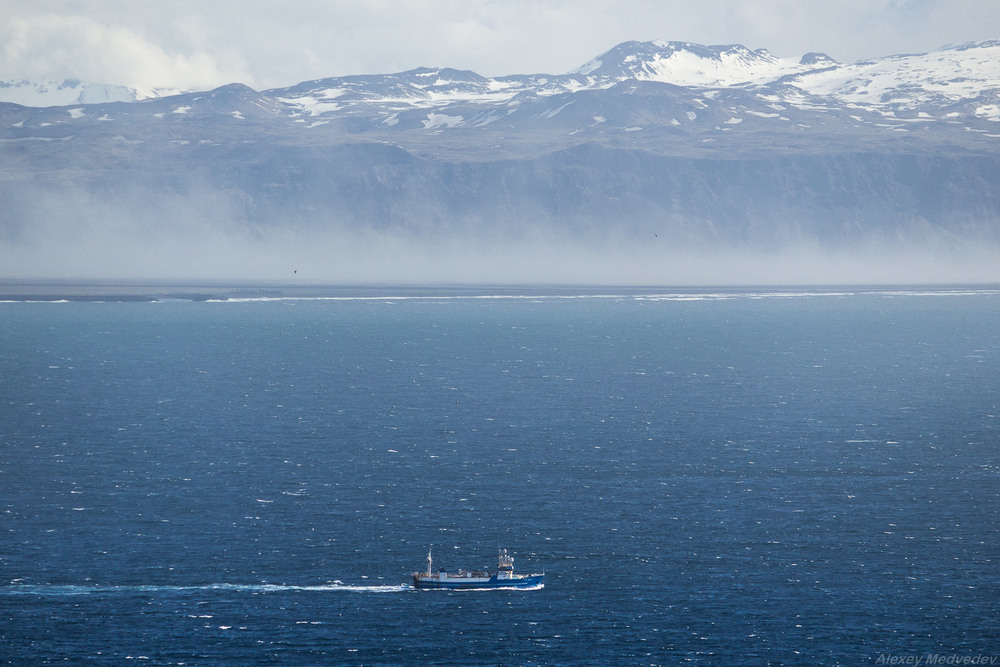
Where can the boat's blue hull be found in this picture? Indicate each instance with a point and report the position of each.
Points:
(456, 583)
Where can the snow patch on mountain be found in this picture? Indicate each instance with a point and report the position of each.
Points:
(687, 64)
(439, 120)
(910, 81)
(73, 91)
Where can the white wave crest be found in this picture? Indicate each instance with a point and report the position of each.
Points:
(57, 590)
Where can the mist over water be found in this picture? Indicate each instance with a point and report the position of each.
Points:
(190, 247)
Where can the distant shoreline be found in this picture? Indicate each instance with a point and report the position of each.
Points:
(125, 292)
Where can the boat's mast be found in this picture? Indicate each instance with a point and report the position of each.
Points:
(429, 560)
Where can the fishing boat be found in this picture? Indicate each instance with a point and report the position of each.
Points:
(504, 576)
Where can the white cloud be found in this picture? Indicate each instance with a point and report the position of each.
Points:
(53, 47)
(264, 43)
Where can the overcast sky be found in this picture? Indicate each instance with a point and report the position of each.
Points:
(194, 44)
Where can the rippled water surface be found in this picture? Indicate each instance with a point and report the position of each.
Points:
(714, 478)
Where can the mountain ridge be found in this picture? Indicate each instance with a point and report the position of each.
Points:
(696, 65)
(813, 157)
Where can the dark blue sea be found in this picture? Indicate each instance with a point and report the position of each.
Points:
(709, 478)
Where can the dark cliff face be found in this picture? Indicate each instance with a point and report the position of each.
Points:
(771, 200)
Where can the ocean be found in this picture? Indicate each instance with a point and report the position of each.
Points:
(705, 477)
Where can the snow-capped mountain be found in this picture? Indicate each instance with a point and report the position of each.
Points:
(963, 80)
(675, 63)
(668, 96)
(707, 146)
(73, 91)
(932, 83)
(914, 82)
(686, 64)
